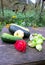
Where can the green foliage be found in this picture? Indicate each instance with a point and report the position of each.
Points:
(29, 18)
(1, 25)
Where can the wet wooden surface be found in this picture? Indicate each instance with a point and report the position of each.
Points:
(10, 56)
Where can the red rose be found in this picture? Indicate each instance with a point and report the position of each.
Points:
(20, 45)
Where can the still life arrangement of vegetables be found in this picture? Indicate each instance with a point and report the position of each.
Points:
(18, 35)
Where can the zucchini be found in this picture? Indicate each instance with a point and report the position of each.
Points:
(9, 38)
(14, 27)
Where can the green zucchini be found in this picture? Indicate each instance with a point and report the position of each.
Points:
(14, 27)
(9, 38)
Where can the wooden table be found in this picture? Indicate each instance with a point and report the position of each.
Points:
(10, 56)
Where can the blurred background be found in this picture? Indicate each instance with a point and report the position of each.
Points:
(22, 12)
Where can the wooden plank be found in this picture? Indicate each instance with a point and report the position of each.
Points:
(9, 55)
